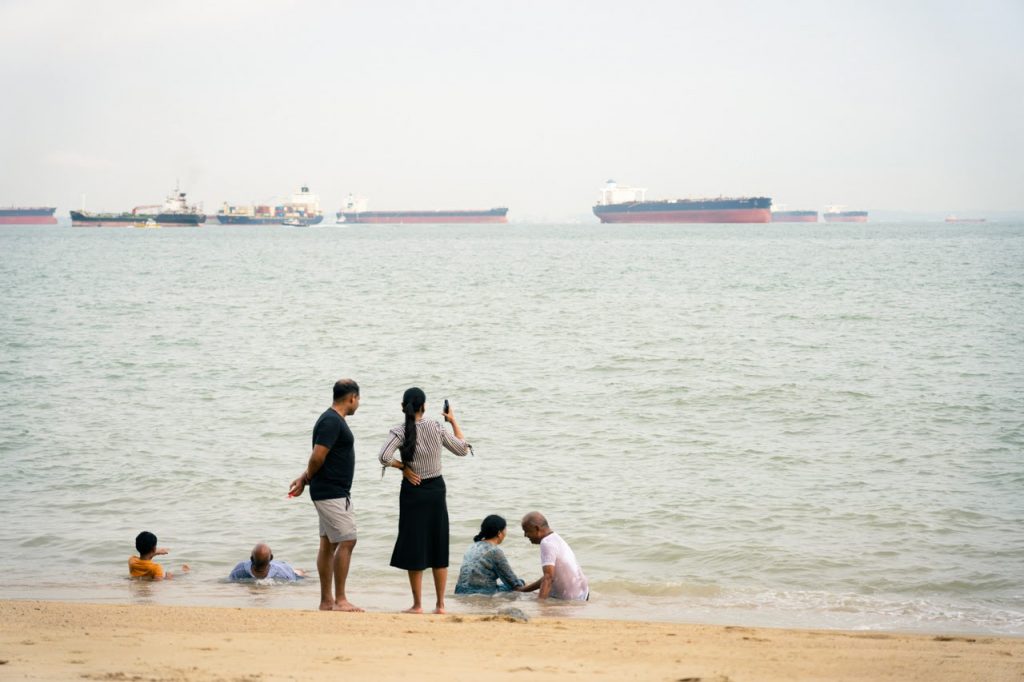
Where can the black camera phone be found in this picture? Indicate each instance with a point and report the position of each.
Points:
(446, 405)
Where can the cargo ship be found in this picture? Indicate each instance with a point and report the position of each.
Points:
(835, 214)
(621, 204)
(794, 216)
(355, 211)
(954, 219)
(27, 215)
(174, 212)
(303, 209)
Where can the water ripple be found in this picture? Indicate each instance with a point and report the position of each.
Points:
(818, 426)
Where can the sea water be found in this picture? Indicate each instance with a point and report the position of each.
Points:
(790, 425)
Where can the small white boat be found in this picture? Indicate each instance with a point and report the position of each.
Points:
(148, 223)
(293, 222)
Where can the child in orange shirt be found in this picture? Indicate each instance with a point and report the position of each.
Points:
(143, 566)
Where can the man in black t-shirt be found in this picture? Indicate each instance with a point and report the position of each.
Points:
(329, 476)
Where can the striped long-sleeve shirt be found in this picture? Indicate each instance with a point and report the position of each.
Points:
(430, 437)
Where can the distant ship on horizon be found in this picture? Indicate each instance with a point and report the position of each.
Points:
(304, 209)
(794, 216)
(27, 215)
(623, 204)
(354, 211)
(836, 214)
(175, 211)
(954, 219)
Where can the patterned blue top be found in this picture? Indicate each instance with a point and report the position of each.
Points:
(483, 566)
(279, 570)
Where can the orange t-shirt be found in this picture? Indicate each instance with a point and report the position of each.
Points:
(141, 568)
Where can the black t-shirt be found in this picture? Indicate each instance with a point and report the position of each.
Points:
(334, 477)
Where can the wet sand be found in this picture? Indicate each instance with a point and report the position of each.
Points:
(74, 641)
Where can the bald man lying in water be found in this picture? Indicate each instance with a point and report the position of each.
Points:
(261, 565)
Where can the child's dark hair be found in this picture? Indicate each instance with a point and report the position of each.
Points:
(490, 527)
(145, 542)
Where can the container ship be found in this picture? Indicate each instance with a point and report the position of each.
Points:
(303, 209)
(955, 219)
(794, 216)
(836, 215)
(174, 212)
(27, 215)
(627, 205)
(355, 211)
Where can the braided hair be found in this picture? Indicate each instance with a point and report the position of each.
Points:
(412, 402)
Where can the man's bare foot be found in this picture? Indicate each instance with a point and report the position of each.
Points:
(326, 606)
(413, 609)
(440, 609)
(347, 606)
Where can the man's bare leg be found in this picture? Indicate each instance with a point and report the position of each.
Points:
(440, 580)
(325, 568)
(416, 583)
(342, 561)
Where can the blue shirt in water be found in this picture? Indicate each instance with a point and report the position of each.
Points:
(485, 570)
(278, 571)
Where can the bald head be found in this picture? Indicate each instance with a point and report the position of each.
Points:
(535, 519)
(535, 527)
(261, 554)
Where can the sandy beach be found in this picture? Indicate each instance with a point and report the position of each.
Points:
(73, 641)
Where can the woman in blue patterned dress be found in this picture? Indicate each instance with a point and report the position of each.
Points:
(485, 569)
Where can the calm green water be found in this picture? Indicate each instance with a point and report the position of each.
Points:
(796, 425)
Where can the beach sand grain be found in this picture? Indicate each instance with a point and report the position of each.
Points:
(75, 641)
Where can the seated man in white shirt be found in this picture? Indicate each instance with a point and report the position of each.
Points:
(563, 578)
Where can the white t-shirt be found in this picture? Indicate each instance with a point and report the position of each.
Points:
(569, 582)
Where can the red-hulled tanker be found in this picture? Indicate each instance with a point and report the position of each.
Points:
(794, 216)
(627, 205)
(28, 215)
(355, 211)
(835, 214)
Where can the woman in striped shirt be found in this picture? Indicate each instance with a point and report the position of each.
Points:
(422, 510)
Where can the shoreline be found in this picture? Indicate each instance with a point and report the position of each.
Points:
(73, 641)
(377, 599)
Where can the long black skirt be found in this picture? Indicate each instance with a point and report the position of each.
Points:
(422, 526)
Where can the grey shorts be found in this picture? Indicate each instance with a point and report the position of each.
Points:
(337, 519)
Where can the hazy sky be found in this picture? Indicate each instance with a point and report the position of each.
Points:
(532, 105)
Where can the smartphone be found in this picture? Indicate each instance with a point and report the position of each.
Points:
(446, 405)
